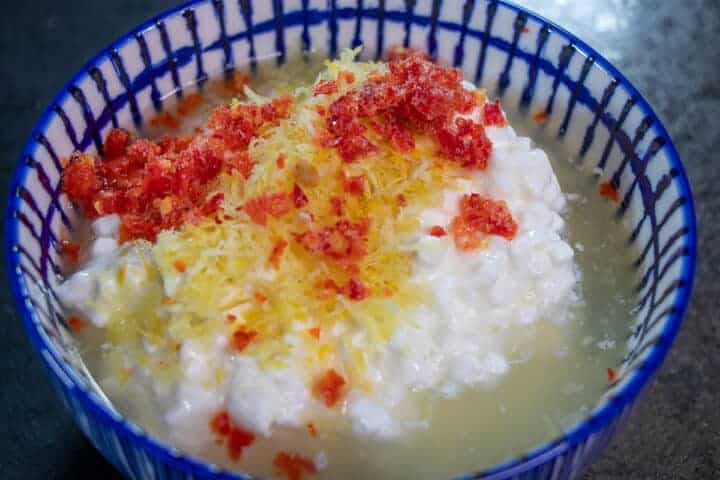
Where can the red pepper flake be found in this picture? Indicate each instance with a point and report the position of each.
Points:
(401, 200)
(325, 87)
(242, 163)
(314, 332)
(437, 231)
(237, 83)
(479, 216)
(611, 375)
(273, 204)
(609, 191)
(541, 117)
(277, 252)
(166, 120)
(227, 432)
(280, 161)
(354, 185)
(399, 53)
(329, 387)
(356, 289)
(294, 466)
(241, 338)
(525, 30)
(116, 142)
(76, 323)
(71, 251)
(260, 297)
(180, 266)
(230, 318)
(312, 430)
(299, 197)
(492, 115)
(344, 241)
(336, 206)
(189, 104)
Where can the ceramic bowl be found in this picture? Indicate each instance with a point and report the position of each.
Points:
(532, 64)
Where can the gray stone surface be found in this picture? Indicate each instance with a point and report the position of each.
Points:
(668, 49)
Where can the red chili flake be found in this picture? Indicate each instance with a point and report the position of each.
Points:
(336, 205)
(325, 87)
(329, 387)
(344, 241)
(260, 297)
(609, 191)
(230, 318)
(180, 266)
(479, 216)
(354, 185)
(611, 375)
(395, 132)
(70, 250)
(352, 269)
(277, 252)
(116, 142)
(492, 115)
(237, 83)
(401, 200)
(189, 104)
(294, 466)
(211, 206)
(76, 323)
(541, 116)
(312, 430)
(525, 30)
(280, 161)
(437, 231)
(227, 432)
(299, 197)
(273, 204)
(241, 339)
(321, 110)
(166, 120)
(314, 332)
(465, 143)
(398, 53)
(356, 290)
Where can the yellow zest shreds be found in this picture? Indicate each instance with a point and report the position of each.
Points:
(255, 283)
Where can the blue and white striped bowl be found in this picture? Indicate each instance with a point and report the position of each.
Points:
(531, 63)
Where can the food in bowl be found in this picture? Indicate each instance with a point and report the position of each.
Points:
(369, 274)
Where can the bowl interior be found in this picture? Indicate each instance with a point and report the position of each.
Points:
(531, 64)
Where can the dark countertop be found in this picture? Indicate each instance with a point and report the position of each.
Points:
(668, 49)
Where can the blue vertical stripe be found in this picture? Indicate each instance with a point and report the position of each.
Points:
(191, 24)
(490, 10)
(518, 28)
(529, 90)
(170, 58)
(459, 53)
(579, 85)
(228, 62)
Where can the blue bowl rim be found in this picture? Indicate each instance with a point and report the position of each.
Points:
(578, 434)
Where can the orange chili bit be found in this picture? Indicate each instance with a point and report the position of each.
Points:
(609, 191)
(273, 204)
(336, 206)
(226, 431)
(492, 115)
(277, 252)
(437, 231)
(525, 30)
(167, 300)
(70, 250)
(401, 200)
(189, 104)
(238, 81)
(325, 87)
(541, 116)
(293, 465)
(116, 142)
(314, 332)
(479, 216)
(180, 266)
(356, 289)
(166, 120)
(241, 339)
(230, 318)
(611, 375)
(347, 76)
(329, 387)
(299, 197)
(354, 185)
(76, 323)
(280, 161)
(312, 430)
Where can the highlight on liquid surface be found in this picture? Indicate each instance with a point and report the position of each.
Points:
(365, 273)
